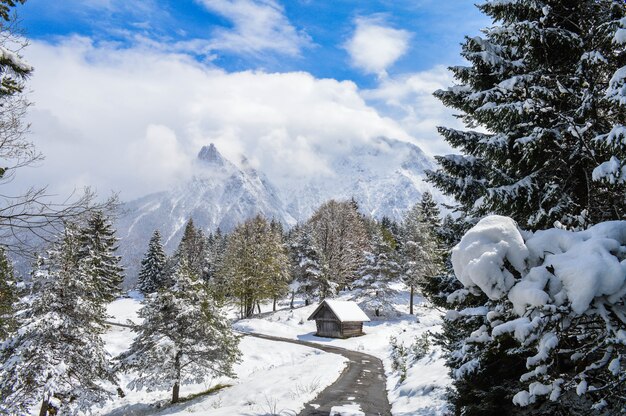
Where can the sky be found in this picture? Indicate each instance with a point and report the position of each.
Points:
(126, 92)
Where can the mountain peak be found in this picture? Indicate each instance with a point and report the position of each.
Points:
(210, 154)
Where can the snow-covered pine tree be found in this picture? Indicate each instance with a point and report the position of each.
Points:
(536, 88)
(307, 271)
(380, 269)
(8, 296)
(96, 257)
(183, 337)
(281, 276)
(438, 287)
(611, 146)
(57, 358)
(215, 250)
(151, 277)
(421, 256)
(552, 315)
(192, 247)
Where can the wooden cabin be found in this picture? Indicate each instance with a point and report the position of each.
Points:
(338, 319)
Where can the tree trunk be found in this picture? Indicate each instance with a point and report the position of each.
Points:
(274, 306)
(258, 306)
(293, 295)
(43, 411)
(175, 392)
(176, 388)
(411, 301)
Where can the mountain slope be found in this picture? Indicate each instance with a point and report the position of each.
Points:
(219, 195)
(385, 176)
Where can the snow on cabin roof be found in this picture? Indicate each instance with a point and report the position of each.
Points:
(346, 311)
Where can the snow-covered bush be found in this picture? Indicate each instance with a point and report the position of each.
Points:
(402, 356)
(560, 295)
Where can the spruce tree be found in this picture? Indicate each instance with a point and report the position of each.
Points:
(420, 250)
(380, 269)
(305, 258)
(183, 337)
(215, 250)
(151, 276)
(536, 87)
(57, 357)
(192, 248)
(96, 256)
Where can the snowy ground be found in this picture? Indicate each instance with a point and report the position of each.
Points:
(422, 393)
(272, 378)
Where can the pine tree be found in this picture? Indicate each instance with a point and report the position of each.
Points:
(280, 277)
(420, 250)
(213, 262)
(536, 86)
(96, 256)
(57, 356)
(307, 270)
(183, 338)
(151, 276)
(8, 296)
(611, 146)
(380, 269)
(192, 248)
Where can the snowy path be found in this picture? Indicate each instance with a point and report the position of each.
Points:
(362, 385)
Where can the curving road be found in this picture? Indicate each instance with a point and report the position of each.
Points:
(362, 382)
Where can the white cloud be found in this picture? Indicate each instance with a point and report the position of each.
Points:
(132, 119)
(374, 47)
(409, 100)
(258, 25)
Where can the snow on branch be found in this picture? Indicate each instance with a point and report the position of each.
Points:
(547, 289)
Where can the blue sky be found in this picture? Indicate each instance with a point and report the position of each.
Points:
(321, 30)
(126, 92)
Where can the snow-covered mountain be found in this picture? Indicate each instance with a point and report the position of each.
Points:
(219, 195)
(385, 176)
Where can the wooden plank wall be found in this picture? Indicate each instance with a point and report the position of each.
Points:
(351, 329)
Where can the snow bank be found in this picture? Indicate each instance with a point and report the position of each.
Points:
(554, 266)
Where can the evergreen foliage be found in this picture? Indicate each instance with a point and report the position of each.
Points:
(96, 257)
(420, 246)
(380, 268)
(151, 277)
(183, 338)
(306, 267)
(536, 84)
(215, 250)
(57, 357)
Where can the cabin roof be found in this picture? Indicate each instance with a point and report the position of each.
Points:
(345, 311)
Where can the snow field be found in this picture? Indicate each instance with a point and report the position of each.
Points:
(423, 390)
(273, 377)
